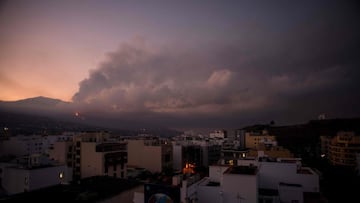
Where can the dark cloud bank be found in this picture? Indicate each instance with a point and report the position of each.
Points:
(289, 77)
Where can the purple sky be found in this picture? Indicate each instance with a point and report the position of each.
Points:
(208, 60)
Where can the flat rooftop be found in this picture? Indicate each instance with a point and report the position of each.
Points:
(243, 170)
(304, 171)
(92, 189)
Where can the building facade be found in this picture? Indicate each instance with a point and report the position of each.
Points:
(253, 139)
(152, 155)
(92, 154)
(27, 174)
(341, 149)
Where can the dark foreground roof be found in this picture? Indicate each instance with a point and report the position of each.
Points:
(88, 190)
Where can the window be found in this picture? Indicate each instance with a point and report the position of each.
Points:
(61, 175)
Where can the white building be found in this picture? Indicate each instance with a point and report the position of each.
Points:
(253, 180)
(108, 159)
(22, 145)
(91, 154)
(287, 172)
(32, 173)
(229, 184)
(218, 134)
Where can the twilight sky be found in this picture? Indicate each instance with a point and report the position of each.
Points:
(234, 61)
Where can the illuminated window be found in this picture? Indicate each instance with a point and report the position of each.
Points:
(61, 175)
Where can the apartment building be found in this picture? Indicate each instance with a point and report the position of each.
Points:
(92, 154)
(98, 159)
(27, 174)
(254, 138)
(22, 145)
(341, 149)
(151, 154)
(258, 180)
(204, 154)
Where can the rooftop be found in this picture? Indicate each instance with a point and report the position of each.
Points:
(244, 170)
(304, 171)
(91, 189)
(289, 184)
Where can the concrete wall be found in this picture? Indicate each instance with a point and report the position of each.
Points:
(177, 157)
(272, 173)
(59, 152)
(151, 159)
(289, 194)
(148, 157)
(92, 163)
(135, 151)
(240, 188)
(13, 146)
(15, 180)
(52, 174)
(216, 172)
(309, 182)
(208, 194)
(18, 180)
(139, 197)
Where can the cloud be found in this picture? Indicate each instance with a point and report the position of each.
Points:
(219, 78)
(310, 67)
(135, 78)
(139, 79)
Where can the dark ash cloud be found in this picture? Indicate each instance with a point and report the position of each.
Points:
(309, 68)
(135, 78)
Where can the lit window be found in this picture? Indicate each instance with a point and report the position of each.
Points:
(61, 175)
(231, 162)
